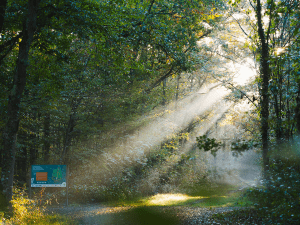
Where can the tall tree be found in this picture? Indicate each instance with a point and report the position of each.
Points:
(36, 16)
(264, 76)
(12, 121)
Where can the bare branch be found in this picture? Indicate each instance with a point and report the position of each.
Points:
(248, 36)
(270, 22)
(252, 5)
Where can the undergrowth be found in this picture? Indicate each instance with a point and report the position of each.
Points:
(28, 211)
(277, 200)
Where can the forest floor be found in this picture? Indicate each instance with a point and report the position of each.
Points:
(128, 215)
(206, 206)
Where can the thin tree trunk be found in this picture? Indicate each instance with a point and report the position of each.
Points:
(46, 142)
(297, 113)
(164, 100)
(278, 119)
(9, 135)
(278, 105)
(298, 109)
(177, 92)
(69, 131)
(68, 138)
(33, 139)
(21, 165)
(288, 112)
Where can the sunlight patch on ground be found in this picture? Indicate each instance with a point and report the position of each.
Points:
(170, 199)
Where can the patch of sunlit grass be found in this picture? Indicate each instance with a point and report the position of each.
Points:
(170, 199)
(217, 196)
(220, 201)
(230, 199)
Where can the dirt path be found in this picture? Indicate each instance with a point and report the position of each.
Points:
(90, 214)
(104, 215)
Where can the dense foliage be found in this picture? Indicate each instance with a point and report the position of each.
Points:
(72, 70)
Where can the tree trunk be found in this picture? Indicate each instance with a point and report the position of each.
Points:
(68, 138)
(278, 104)
(297, 113)
(164, 100)
(46, 142)
(288, 112)
(264, 103)
(9, 135)
(3, 5)
(21, 165)
(177, 91)
(33, 138)
(69, 131)
(298, 109)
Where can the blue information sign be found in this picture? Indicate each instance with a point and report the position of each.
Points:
(48, 176)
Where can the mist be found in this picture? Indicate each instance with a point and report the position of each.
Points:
(199, 114)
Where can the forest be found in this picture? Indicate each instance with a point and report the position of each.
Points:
(146, 97)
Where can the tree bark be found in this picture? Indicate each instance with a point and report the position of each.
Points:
(33, 139)
(278, 104)
(46, 142)
(9, 135)
(177, 91)
(264, 75)
(68, 138)
(3, 5)
(298, 110)
(164, 100)
(69, 131)
(21, 165)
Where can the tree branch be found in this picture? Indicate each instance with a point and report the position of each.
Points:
(157, 82)
(270, 22)
(11, 42)
(150, 7)
(242, 28)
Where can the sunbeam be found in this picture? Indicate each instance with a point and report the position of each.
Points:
(141, 143)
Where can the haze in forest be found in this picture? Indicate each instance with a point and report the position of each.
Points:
(140, 98)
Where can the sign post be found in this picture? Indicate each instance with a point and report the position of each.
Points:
(49, 176)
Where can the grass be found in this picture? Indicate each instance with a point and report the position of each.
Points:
(145, 210)
(155, 209)
(221, 195)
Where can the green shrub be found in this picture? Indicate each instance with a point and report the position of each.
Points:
(27, 211)
(279, 203)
